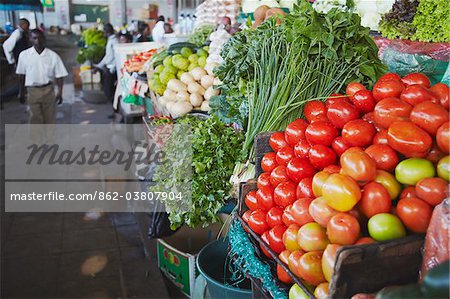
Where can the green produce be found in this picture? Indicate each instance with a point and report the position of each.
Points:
(165, 77)
(432, 21)
(180, 62)
(159, 69)
(443, 168)
(295, 292)
(411, 171)
(201, 35)
(215, 149)
(93, 44)
(192, 66)
(167, 61)
(180, 72)
(193, 58)
(385, 226)
(397, 23)
(170, 69)
(186, 52)
(202, 52)
(202, 61)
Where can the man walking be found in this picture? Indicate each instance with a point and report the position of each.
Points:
(17, 42)
(37, 67)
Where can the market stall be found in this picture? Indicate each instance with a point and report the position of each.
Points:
(335, 166)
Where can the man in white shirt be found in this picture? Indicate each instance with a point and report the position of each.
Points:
(17, 42)
(108, 65)
(159, 31)
(37, 68)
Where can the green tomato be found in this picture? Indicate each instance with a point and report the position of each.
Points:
(385, 226)
(193, 58)
(159, 68)
(167, 61)
(186, 52)
(295, 292)
(411, 171)
(443, 168)
(180, 72)
(180, 62)
(202, 61)
(201, 52)
(192, 66)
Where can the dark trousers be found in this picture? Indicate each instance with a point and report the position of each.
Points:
(109, 83)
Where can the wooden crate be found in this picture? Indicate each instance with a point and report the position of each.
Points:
(359, 268)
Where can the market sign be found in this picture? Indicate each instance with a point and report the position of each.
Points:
(48, 3)
(13, 5)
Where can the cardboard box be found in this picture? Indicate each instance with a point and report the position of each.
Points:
(177, 255)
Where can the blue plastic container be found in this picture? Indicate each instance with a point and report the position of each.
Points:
(211, 264)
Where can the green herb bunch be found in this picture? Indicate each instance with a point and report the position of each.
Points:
(201, 35)
(93, 46)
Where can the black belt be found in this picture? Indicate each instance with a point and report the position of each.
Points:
(41, 86)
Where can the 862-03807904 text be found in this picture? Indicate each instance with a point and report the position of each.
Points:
(98, 195)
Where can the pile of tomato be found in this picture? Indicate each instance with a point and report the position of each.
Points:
(135, 63)
(363, 167)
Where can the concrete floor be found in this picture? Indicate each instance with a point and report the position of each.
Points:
(71, 255)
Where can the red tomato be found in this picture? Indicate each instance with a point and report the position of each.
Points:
(390, 76)
(304, 188)
(443, 137)
(264, 198)
(301, 149)
(339, 146)
(315, 111)
(329, 259)
(417, 78)
(312, 236)
(335, 97)
(364, 101)
(332, 169)
(294, 261)
(318, 181)
(380, 137)
(269, 162)
(375, 199)
(391, 110)
(295, 131)
(299, 169)
(285, 194)
(278, 175)
(321, 212)
(246, 215)
(300, 211)
(273, 217)
(358, 133)
(290, 237)
(409, 191)
(435, 154)
(251, 201)
(353, 88)
(385, 157)
(284, 155)
(432, 190)
(341, 113)
(321, 132)
(322, 156)
(310, 267)
(387, 89)
(442, 92)
(263, 180)
(415, 94)
(429, 116)
(414, 213)
(408, 139)
(257, 222)
(265, 238)
(365, 240)
(358, 165)
(287, 217)
(341, 192)
(276, 238)
(343, 229)
(282, 275)
(277, 141)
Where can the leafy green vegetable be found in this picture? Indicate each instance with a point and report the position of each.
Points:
(201, 35)
(215, 149)
(93, 44)
(432, 21)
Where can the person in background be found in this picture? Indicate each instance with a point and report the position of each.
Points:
(125, 38)
(158, 30)
(42, 27)
(17, 42)
(37, 67)
(168, 28)
(143, 32)
(107, 65)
